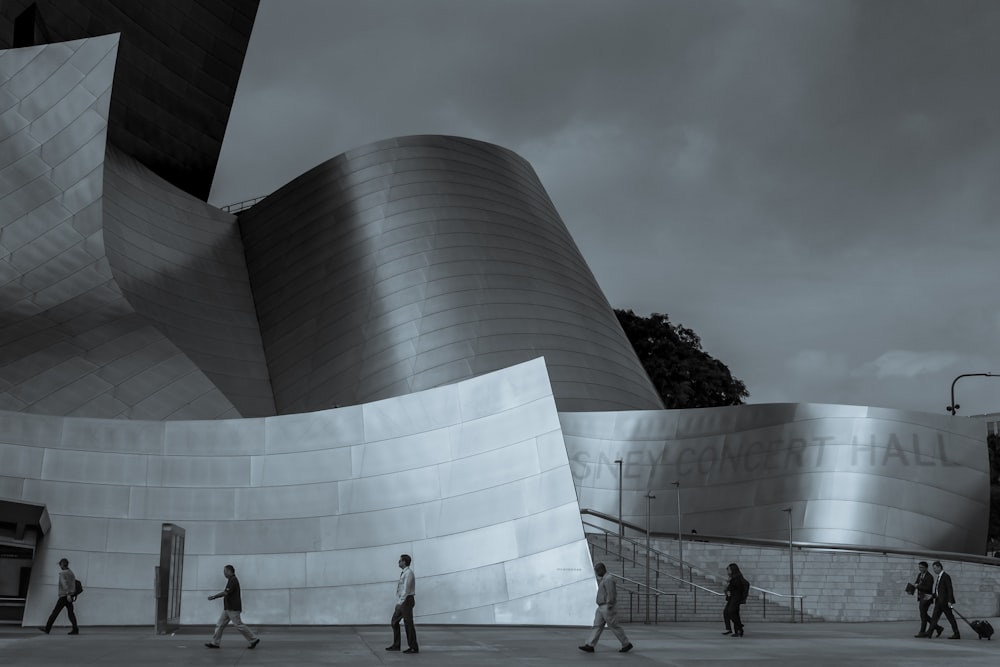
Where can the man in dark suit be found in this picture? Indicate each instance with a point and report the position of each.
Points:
(925, 598)
(944, 597)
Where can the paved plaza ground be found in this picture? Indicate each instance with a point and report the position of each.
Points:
(680, 644)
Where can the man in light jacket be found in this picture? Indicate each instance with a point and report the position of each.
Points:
(607, 614)
(67, 595)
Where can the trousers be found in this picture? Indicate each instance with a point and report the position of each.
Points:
(606, 615)
(60, 603)
(233, 617)
(404, 612)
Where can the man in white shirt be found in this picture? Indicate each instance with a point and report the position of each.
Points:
(607, 613)
(405, 590)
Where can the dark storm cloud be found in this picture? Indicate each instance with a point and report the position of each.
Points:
(811, 186)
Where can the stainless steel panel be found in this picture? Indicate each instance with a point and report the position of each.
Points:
(287, 502)
(542, 570)
(308, 527)
(21, 461)
(316, 430)
(94, 467)
(467, 239)
(480, 587)
(65, 302)
(180, 504)
(78, 499)
(851, 474)
(305, 467)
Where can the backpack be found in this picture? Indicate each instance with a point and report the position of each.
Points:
(746, 591)
(77, 588)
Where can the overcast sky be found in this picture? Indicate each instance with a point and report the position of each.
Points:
(811, 186)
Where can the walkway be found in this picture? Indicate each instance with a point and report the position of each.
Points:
(674, 644)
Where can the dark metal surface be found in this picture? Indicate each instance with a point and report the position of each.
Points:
(179, 64)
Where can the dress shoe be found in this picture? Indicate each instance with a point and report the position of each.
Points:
(391, 648)
(625, 649)
(254, 643)
(921, 634)
(955, 636)
(211, 645)
(73, 632)
(412, 650)
(939, 630)
(728, 632)
(738, 633)
(586, 648)
(43, 630)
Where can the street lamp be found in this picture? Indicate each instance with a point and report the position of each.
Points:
(649, 512)
(953, 408)
(680, 535)
(791, 569)
(621, 526)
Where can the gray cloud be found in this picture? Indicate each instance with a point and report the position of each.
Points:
(812, 187)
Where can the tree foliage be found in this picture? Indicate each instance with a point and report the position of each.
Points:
(684, 374)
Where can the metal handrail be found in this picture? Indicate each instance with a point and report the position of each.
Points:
(666, 556)
(242, 205)
(635, 543)
(656, 591)
(953, 556)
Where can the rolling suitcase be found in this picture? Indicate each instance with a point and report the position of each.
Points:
(982, 628)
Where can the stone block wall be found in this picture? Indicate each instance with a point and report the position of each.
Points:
(845, 586)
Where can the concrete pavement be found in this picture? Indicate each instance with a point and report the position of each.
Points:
(676, 644)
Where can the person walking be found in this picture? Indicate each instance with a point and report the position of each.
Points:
(737, 590)
(607, 612)
(232, 607)
(924, 585)
(944, 597)
(406, 589)
(67, 596)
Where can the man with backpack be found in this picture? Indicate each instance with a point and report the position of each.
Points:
(67, 595)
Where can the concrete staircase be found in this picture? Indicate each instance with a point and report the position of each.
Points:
(693, 603)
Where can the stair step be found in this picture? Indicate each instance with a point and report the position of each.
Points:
(692, 604)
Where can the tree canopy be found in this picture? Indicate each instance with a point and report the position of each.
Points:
(684, 374)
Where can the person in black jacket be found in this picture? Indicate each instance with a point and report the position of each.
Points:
(737, 590)
(924, 584)
(944, 597)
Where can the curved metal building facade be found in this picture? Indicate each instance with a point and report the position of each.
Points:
(313, 510)
(420, 261)
(851, 475)
(164, 361)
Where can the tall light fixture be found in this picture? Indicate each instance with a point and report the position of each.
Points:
(680, 534)
(649, 512)
(621, 526)
(953, 408)
(791, 568)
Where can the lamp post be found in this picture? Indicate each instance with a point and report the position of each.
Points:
(680, 535)
(953, 408)
(649, 512)
(621, 526)
(791, 569)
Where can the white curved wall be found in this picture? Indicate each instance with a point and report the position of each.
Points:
(313, 510)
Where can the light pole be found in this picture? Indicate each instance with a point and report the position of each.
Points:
(953, 408)
(791, 569)
(680, 535)
(649, 512)
(621, 526)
